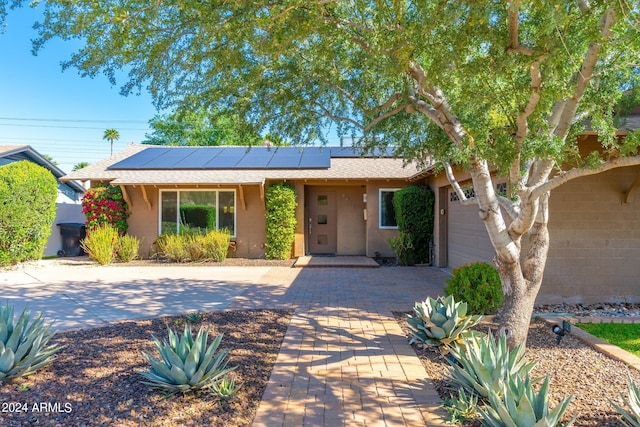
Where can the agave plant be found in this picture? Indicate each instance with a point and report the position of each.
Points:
(485, 364)
(520, 406)
(631, 410)
(23, 347)
(440, 321)
(225, 388)
(187, 364)
(462, 408)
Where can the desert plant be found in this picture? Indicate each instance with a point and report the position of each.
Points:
(101, 243)
(27, 210)
(195, 317)
(630, 410)
(441, 321)
(414, 208)
(484, 364)
(186, 364)
(478, 284)
(280, 205)
(402, 248)
(215, 244)
(23, 346)
(521, 406)
(127, 248)
(461, 408)
(225, 388)
(173, 247)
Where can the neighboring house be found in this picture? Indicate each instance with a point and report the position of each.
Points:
(344, 200)
(68, 207)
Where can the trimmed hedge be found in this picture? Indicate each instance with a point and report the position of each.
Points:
(280, 201)
(478, 284)
(198, 216)
(414, 206)
(28, 194)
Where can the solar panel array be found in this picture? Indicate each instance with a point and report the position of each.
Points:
(154, 158)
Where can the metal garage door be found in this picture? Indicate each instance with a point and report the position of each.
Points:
(467, 240)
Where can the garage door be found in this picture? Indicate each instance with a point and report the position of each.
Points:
(467, 239)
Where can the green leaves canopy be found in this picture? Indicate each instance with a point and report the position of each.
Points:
(368, 66)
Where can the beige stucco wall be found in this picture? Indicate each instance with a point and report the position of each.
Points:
(594, 239)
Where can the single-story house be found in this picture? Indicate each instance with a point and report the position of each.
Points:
(68, 202)
(344, 200)
(344, 208)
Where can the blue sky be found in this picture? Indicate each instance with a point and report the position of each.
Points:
(67, 114)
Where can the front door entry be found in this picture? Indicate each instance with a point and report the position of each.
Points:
(322, 222)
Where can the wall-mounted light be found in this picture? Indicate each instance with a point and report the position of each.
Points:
(364, 198)
(560, 331)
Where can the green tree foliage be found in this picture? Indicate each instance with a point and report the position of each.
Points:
(28, 195)
(280, 201)
(414, 207)
(199, 127)
(482, 85)
(79, 166)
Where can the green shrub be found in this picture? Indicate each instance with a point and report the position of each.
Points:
(194, 246)
(105, 205)
(127, 248)
(101, 243)
(281, 205)
(216, 244)
(478, 284)
(23, 347)
(174, 247)
(186, 363)
(402, 248)
(414, 207)
(28, 195)
(461, 409)
(198, 216)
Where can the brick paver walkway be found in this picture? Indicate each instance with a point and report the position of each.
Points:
(344, 359)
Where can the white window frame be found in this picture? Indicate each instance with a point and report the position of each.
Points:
(380, 191)
(210, 190)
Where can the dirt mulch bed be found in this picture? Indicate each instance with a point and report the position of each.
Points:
(95, 378)
(574, 368)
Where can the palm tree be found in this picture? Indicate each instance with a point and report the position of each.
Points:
(111, 134)
(79, 166)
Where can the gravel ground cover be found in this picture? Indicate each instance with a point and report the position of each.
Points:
(95, 378)
(574, 368)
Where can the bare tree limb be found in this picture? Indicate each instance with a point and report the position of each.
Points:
(511, 209)
(467, 201)
(574, 173)
(513, 24)
(387, 104)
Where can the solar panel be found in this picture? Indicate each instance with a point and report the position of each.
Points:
(315, 158)
(256, 158)
(285, 158)
(140, 159)
(227, 158)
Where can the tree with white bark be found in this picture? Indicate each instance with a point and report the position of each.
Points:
(499, 89)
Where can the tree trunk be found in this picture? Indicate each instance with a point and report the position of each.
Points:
(523, 279)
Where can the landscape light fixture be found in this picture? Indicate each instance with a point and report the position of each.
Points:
(560, 331)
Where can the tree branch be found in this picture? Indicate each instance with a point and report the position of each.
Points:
(467, 201)
(513, 23)
(564, 177)
(387, 104)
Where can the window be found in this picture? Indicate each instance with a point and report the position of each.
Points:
(387, 212)
(197, 209)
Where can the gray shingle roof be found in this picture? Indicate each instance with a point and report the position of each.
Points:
(340, 169)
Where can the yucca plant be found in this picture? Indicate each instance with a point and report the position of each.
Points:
(485, 364)
(23, 346)
(187, 364)
(520, 406)
(441, 321)
(631, 410)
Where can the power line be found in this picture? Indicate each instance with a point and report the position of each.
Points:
(65, 127)
(71, 120)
